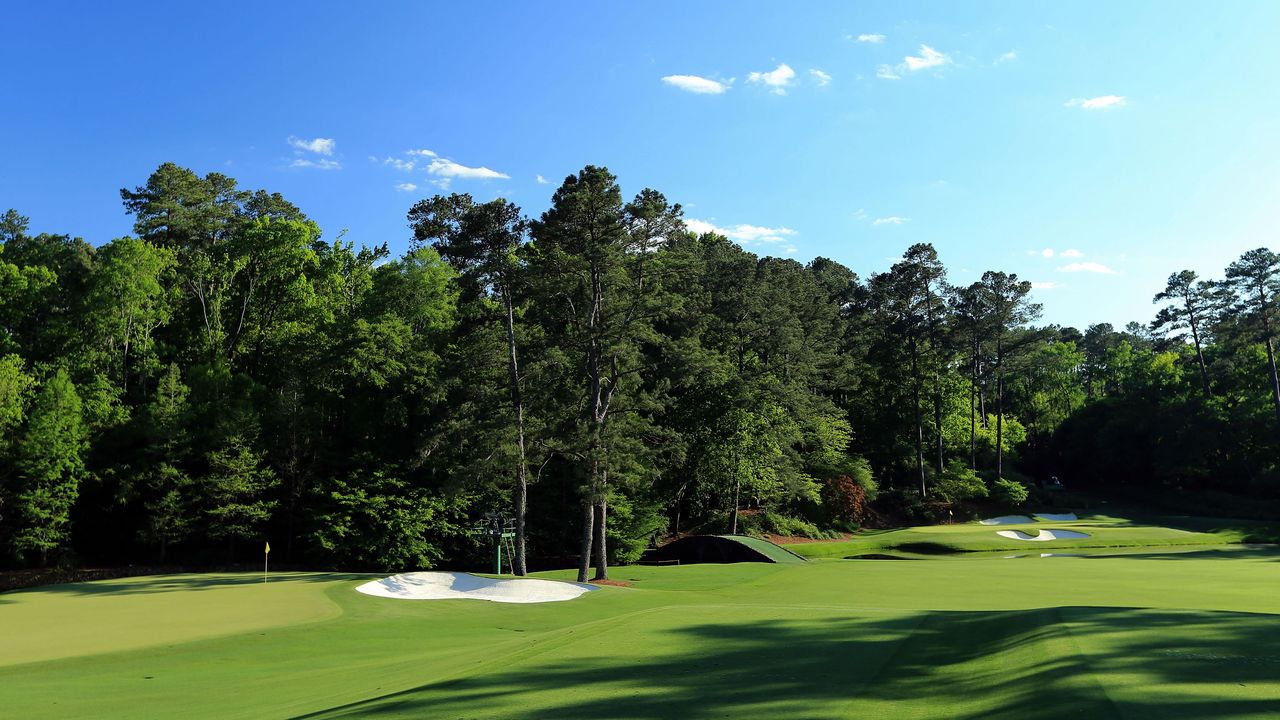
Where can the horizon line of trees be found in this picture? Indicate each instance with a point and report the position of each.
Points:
(600, 372)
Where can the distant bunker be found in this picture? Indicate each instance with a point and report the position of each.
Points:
(695, 549)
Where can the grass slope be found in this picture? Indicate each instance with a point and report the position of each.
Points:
(774, 552)
(1177, 636)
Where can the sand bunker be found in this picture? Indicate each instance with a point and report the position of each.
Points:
(1043, 536)
(1057, 517)
(465, 586)
(1007, 520)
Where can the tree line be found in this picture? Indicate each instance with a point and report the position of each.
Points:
(599, 372)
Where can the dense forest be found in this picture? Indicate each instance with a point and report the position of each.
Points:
(601, 374)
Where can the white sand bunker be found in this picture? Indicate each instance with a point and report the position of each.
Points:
(465, 586)
(1007, 520)
(1057, 517)
(1043, 536)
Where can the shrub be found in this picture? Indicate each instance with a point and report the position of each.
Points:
(844, 500)
(959, 483)
(1010, 492)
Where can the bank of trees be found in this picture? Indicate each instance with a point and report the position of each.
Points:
(228, 375)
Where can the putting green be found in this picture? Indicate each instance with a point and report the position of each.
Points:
(1169, 635)
(1103, 531)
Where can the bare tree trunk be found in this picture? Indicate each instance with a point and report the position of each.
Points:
(733, 516)
(1195, 335)
(601, 542)
(915, 394)
(973, 421)
(522, 473)
(1275, 381)
(588, 523)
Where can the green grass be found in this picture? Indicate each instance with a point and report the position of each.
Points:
(1104, 532)
(1142, 636)
(776, 553)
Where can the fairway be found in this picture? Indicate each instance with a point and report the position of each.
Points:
(981, 637)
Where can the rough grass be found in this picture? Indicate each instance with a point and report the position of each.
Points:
(1169, 636)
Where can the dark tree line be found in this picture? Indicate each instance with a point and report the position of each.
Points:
(228, 375)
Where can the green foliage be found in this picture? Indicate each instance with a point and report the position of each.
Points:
(235, 489)
(380, 521)
(959, 483)
(51, 465)
(1009, 493)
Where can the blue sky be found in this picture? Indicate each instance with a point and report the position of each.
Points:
(1093, 148)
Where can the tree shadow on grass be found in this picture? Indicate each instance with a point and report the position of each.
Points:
(1028, 665)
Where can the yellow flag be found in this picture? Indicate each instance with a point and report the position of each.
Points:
(268, 548)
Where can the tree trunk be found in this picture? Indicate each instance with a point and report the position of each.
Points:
(1275, 381)
(1195, 335)
(733, 516)
(588, 523)
(915, 393)
(601, 543)
(522, 473)
(973, 407)
(1000, 425)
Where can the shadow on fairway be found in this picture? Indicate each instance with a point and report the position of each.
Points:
(150, 584)
(1018, 664)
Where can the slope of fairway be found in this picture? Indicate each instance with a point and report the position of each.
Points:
(973, 638)
(774, 552)
(110, 615)
(1103, 531)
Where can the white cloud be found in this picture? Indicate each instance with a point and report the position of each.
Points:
(886, 72)
(443, 168)
(406, 187)
(1047, 252)
(1045, 285)
(1089, 267)
(696, 84)
(1007, 57)
(821, 77)
(321, 164)
(543, 181)
(891, 220)
(319, 146)
(1071, 253)
(743, 233)
(397, 163)
(791, 250)
(929, 58)
(778, 78)
(873, 38)
(1102, 102)
(422, 153)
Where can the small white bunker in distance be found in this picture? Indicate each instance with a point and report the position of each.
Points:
(465, 586)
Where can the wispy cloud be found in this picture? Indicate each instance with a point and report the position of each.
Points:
(1102, 102)
(543, 181)
(1048, 285)
(1071, 253)
(822, 78)
(1007, 57)
(1089, 267)
(891, 220)
(778, 78)
(928, 58)
(319, 146)
(440, 167)
(319, 163)
(873, 38)
(397, 163)
(422, 153)
(406, 187)
(697, 84)
(743, 233)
